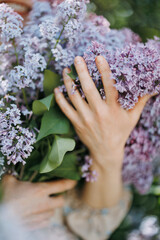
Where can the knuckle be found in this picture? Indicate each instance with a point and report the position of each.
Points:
(79, 127)
(88, 121)
(88, 88)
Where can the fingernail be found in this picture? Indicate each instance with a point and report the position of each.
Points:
(99, 59)
(78, 60)
(66, 70)
(56, 90)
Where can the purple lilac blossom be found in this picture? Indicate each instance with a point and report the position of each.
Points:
(90, 176)
(136, 70)
(142, 147)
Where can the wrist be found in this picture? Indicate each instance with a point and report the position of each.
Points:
(107, 163)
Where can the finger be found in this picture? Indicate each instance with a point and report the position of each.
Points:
(37, 226)
(88, 86)
(37, 218)
(8, 179)
(66, 108)
(108, 83)
(48, 204)
(59, 186)
(137, 110)
(76, 99)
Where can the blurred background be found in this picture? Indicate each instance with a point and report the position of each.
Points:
(143, 17)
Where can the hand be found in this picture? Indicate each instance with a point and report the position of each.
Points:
(102, 125)
(32, 201)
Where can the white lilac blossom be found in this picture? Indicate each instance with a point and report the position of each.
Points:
(49, 30)
(34, 63)
(15, 141)
(10, 23)
(18, 78)
(71, 14)
(148, 229)
(39, 10)
(62, 57)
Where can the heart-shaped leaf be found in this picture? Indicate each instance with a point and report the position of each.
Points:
(58, 150)
(41, 106)
(53, 122)
(68, 169)
(51, 81)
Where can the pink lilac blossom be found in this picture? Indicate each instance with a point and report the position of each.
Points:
(142, 147)
(136, 70)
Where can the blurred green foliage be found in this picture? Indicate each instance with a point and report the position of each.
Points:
(142, 16)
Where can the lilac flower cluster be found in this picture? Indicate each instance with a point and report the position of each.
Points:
(10, 25)
(90, 176)
(15, 141)
(136, 70)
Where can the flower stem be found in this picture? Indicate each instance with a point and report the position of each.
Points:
(25, 97)
(21, 172)
(33, 176)
(15, 49)
(50, 57)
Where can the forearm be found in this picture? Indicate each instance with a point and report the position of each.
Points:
(108, 189)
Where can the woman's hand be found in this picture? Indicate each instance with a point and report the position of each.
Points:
(32, 201)
(102, 125)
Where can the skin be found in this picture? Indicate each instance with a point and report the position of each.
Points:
(103, 126)
(31, 201)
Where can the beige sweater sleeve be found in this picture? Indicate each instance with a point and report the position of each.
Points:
(93, 224)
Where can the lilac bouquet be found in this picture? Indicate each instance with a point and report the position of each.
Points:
(35, 135)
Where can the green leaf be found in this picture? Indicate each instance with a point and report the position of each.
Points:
(53, 122)
(58, 150)
(51, 81)
(73, 74)
(44, 161)
(68, 168)
(41, 106)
